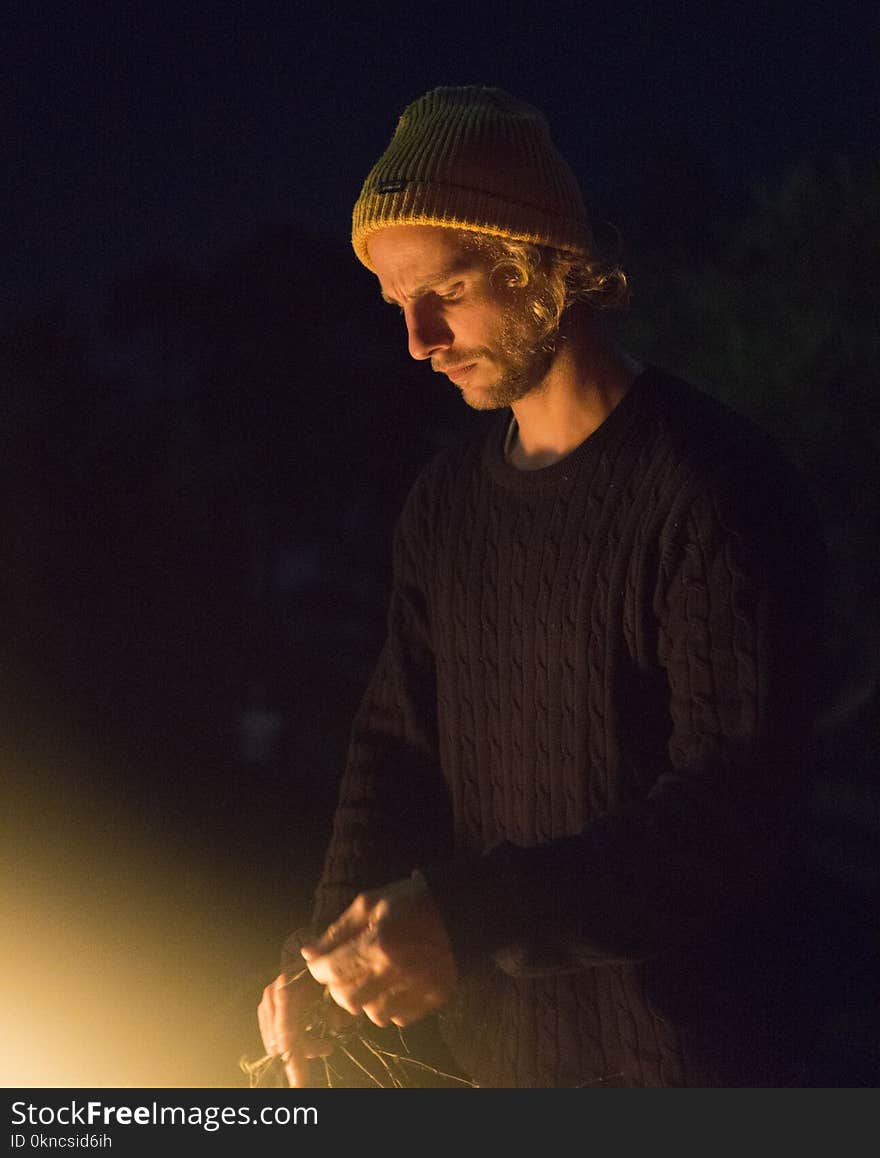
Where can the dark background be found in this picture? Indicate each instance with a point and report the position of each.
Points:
(209, 424)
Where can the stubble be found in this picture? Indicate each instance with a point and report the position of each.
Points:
(524, 363)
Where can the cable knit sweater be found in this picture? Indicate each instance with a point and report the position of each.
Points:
(589, 728)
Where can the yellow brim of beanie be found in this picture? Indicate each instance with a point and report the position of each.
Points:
(451, 208)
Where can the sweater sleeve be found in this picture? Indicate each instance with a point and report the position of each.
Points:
(734, 611)
(393, 806)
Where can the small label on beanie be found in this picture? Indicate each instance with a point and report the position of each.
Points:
(391, 186)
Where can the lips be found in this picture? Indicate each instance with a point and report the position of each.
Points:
(458, 374)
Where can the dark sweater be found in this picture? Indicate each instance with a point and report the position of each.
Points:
(590, 728)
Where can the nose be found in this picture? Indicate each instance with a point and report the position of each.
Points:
(426, 329)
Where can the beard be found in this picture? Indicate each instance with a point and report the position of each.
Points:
(518, 378)
(523, 361)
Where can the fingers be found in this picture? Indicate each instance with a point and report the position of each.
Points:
(288, 1003)
(364, 978)
(350, 963)
(404, 1004)
(280, 1016)
(266, 1018)
(355, 996)
(271, 1019)
(352, 923)
(388, 955)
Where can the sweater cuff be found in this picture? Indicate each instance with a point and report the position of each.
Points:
(479, 899)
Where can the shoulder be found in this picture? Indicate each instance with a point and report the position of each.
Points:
(729, 488)
(697, 431)
(714, 453)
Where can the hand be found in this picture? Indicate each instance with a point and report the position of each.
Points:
(388, 955)
(281, 1013)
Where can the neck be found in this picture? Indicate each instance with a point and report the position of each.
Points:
(589, 375)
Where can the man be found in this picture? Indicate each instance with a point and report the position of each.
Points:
(571, 799)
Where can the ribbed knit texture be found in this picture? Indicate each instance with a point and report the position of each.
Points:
(473, 158)
(589, 727)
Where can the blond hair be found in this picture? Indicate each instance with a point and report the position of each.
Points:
(559, 278)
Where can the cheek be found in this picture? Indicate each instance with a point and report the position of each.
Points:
(519, 331)
(505, 325)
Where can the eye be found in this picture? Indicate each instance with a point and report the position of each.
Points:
(453, 293)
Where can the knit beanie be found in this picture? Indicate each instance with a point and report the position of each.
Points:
(473, 158)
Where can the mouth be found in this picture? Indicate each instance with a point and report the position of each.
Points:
(458, 374)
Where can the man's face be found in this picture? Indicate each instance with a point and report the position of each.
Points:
(481, 336)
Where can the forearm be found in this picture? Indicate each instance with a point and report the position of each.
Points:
(630, 886)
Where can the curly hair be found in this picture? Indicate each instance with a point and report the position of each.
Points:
(560, 278)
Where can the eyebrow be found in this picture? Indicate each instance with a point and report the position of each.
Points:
(426, 286)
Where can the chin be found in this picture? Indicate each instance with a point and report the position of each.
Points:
(499, 395)
(486, 399)
(478, 401)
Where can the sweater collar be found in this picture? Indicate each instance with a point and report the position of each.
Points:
(524, 481)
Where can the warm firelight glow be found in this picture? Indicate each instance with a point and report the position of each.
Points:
(124, 959)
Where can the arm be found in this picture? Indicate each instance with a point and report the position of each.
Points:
(393, 806)
(734, 608)
(393, 809)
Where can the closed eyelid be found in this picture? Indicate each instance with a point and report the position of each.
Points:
(444, 286)
(445, 295)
